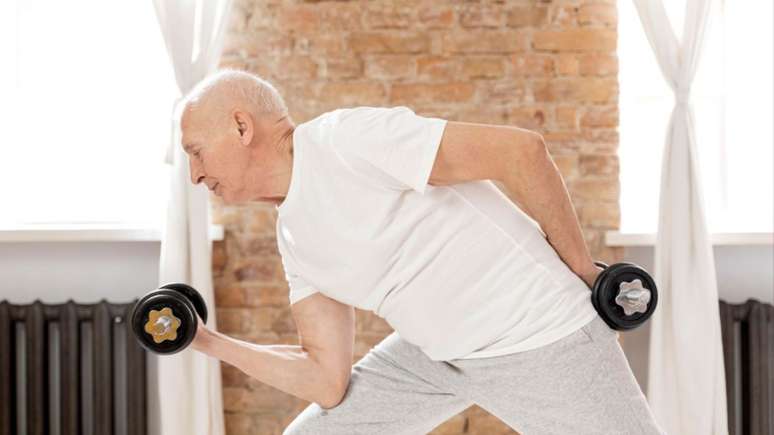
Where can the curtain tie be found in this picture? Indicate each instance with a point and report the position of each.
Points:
(683, 95)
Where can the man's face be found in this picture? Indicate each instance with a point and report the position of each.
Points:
(216, 155)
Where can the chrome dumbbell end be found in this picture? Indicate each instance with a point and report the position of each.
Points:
(162, 325)
(633, 297)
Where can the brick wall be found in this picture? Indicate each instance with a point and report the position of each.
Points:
(550, 66)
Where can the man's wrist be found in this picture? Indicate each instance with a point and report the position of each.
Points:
(203, 340)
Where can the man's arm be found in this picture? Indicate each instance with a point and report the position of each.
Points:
(520, 160)
(317, 370)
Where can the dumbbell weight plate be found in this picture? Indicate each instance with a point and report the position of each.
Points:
(604, 294)
(181, 307)
(194, 296)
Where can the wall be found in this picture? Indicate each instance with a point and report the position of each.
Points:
(542, 65)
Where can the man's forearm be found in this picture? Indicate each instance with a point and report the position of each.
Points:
(288, 368)
(539, 189)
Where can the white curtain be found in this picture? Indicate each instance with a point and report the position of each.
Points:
(185, 396)
(686, 383)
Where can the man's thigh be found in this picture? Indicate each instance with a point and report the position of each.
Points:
(394, 389)
(580, 384)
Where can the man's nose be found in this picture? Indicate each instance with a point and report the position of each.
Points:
(196, 176)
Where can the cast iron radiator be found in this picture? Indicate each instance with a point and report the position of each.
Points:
(70, 369)
(748, 349)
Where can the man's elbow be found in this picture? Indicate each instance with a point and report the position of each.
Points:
(333, 393)
(527, 157)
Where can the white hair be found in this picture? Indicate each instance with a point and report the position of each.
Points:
(227, 86)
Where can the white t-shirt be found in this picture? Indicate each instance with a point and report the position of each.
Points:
(458, 270)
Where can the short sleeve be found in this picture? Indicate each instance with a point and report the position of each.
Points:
(395, 142)
(298, 287)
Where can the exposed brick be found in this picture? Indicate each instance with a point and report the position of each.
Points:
(488, 424)
(436, 16)
(390, 66)
(257, 44)
(265, 295)
(598, 64)
(219, 257)
(527, 16)
(485, 115)
(261, 398)
(322, 44)
(241, 423)
(600, 116)
(482, 16)
(232, 296)
(483, 67)
(598, 14)
(598, 164)
(566, 117)
(261, 17)
(563, 15)
(587, 90)
(379, 325)
(232, 320)
(567, 164)
(259, 220)
(384, 42)
(299, 17)
(599, 215)
(504, 92)
(531, 65)
(491, 41)
(298, 67)
(388, 15)
(436, 92)
(232, 376)
(256, 270)
(566, 64)
(583, 39)
(438, 67)
(265, 318)
(532, 118)
(343, 67)
(453, 426)
(337, 16)
(600, 189)
(353, 93)
(607, 137)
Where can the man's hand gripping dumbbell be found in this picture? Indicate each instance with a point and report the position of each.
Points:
(167, 320)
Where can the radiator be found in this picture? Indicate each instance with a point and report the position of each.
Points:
(748, 349)
(70, 369)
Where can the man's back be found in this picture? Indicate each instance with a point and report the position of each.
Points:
(458, 270)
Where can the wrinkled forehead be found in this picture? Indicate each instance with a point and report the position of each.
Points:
(191, 126)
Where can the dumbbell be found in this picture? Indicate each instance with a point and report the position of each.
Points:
(164, 321)
(624, 295)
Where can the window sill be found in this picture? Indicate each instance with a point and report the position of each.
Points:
(89, 233)
(616, 238)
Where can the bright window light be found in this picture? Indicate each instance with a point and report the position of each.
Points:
(732, 98)
(86, 92)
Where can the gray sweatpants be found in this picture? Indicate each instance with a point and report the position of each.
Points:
(580, 384)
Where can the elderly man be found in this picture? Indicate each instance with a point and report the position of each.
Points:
(395, 213)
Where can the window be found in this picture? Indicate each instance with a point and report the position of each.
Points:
(732, 99)
(86, 97)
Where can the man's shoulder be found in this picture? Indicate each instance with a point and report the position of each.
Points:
(345, 112)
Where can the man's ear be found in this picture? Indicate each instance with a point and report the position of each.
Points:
(245, 126)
